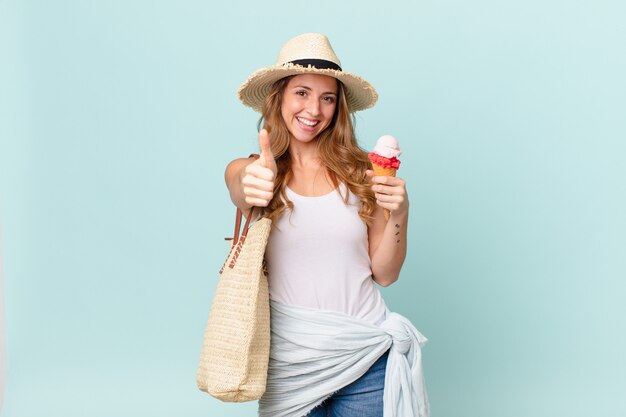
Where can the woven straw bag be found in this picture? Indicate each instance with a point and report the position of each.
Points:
(235, 352)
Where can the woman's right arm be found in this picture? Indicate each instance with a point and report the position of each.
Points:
(250, 181)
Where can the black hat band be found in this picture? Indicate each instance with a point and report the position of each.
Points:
(317, 63)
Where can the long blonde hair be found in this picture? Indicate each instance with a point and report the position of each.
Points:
(339, 152)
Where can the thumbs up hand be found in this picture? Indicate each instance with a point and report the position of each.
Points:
(257, 179)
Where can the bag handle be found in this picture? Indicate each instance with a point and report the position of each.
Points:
(238, 219)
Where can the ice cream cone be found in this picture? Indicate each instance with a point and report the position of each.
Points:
(385, 160)
(384, 172)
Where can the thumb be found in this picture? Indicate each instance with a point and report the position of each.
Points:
(370, 174)
(267, 157)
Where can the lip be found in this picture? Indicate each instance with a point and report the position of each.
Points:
(305, 126)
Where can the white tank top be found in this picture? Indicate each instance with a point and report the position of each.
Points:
(317, 257)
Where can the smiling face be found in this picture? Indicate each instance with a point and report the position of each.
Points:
(308, 105)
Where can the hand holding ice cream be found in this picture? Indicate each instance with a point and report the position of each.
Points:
(385, 163)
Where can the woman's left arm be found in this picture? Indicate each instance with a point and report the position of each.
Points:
(387, 239)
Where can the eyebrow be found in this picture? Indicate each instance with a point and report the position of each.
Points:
(309, 88)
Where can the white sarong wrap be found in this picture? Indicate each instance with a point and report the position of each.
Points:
(315, 353)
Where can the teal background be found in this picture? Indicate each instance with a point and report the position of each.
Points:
(117, 119)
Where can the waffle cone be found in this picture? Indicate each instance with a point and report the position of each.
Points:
(384, 172)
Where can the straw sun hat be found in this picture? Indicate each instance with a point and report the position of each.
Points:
(309, 53)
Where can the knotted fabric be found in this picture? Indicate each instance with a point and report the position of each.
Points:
(315, 353)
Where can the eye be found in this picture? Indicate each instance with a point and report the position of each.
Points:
(301, 93)
(329, 99)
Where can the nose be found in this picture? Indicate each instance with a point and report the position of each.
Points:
(313, 107)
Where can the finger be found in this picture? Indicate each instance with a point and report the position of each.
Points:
(381, 189)
(257, 202)
(388, 198)
(266, 149)
(388, 189)
(258, 171)
(258, 183)
(384, 204)
(389, 206)
(369, 174)
(251, 192)
(388, 180)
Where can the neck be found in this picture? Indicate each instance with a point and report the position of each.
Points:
(304, 154)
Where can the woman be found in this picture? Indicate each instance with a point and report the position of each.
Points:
(330, 243)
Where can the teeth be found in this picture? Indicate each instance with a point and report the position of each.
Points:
(307, 122)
